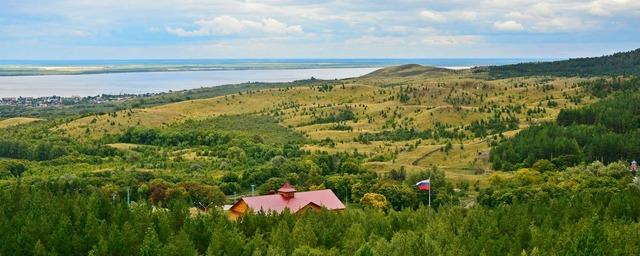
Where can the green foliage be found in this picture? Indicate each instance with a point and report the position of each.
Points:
(374, 201)
(528, 185)
(544, 165)
(343, 115)
(259, 128)
(12, 167)
(407, 133)
(494, 125)
(341, 127)
(400, 134)
(623, 63)
(602, 220)
(602, 88)
(151, 245)
(620, 114)
(607, 131)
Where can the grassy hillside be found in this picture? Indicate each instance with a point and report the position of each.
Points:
(623, 63)
(410, 70)
(408, 117)
(17, 121)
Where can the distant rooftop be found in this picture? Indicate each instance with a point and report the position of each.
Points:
(289, 198)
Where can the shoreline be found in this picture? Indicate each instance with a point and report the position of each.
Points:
(79, 71)
(82, 67)
(140, 83)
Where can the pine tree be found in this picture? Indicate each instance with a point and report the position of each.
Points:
(364, 250)
(101, 248)
(303, 235)
(280, 238)
(257, 246)
(151, 245)
(39, 249)
(355, 240)
(225, 240)
(180, 245)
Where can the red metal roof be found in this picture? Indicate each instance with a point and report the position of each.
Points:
(287, 188)
(276, 203)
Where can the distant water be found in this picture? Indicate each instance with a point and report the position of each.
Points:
(242, 64)
(149, 76)
(151, 82)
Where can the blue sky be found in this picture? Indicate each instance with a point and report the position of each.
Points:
(144, 29)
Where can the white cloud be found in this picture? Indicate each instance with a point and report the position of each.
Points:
(396, 29)
(609, 7)
(377, 40)
(227, 25)
(509, 25)
(516, 15)
(547, 17)
(437, 16)
(314, 27)
(276, 27)
(541, 9)
(468, 15)
(433, 16)
(452, 40)
(561, 24)
(184, 33)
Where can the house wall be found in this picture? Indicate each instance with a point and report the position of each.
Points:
(238, 209)
(312, 207)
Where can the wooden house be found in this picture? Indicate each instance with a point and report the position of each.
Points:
(287, 198)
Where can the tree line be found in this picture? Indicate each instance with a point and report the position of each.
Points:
(607, 131)
(622, 63)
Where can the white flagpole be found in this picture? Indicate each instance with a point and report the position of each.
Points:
(429, 192)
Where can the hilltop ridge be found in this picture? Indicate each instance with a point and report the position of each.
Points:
(408, 70)
(621, 63)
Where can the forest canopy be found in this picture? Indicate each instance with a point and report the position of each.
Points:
(607, 131)
(623, 63)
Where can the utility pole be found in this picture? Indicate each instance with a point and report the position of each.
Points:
(128, 196)
(346, 196)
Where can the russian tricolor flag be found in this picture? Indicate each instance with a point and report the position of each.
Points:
(424, 184)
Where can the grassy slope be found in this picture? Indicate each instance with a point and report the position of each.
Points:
(262, 127)
(369, 97)
(17, 121)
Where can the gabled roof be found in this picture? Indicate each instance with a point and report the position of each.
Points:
(286, 188)
(276, 203)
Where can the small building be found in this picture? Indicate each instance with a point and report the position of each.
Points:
(288, 198)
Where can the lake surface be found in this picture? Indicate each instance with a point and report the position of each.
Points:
(35, 78)
(150, 82)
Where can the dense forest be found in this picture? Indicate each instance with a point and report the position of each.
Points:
(601, 221)
(623, 63)
(607, 131)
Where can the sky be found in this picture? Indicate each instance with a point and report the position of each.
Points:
(152, 29)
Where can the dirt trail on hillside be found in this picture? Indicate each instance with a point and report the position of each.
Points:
(425, 156)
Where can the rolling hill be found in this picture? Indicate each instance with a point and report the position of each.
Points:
(409, 117)
(409, 70)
